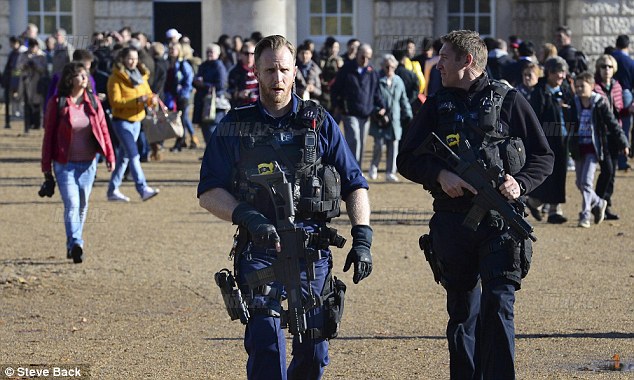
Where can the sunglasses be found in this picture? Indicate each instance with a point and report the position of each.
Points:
(248, 53)
(606, 66)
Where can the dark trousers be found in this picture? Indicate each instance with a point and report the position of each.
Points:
(627, 128)
(480, 297)
(32, 115)
(7, 107)
(481, 331)
(264, 339)
(605, 182)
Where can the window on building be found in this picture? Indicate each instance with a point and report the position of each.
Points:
(331, 18)
(50, 15)
(475, 15)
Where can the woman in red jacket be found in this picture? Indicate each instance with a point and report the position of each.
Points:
(75, 131)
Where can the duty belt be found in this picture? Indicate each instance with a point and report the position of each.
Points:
(325, 237)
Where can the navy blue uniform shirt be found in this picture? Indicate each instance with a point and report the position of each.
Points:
(223, 153)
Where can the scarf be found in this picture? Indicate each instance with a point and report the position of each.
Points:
(135, 76)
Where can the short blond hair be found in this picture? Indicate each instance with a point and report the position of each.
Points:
(214, 47)
(157, 49)
(274, 42)
(606, 59)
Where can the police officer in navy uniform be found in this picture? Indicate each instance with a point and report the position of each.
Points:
(484, 120)
(273, 131)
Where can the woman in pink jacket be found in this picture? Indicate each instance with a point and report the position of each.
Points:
(75, 131)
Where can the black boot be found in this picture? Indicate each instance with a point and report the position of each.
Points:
(611, 215)
(178, 145)
(77, 253)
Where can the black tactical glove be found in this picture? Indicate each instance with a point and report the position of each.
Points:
(259, 226)
(48, 187)
(360, 253)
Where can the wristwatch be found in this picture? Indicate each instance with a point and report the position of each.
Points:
(522, 187)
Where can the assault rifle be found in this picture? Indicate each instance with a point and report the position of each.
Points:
(286, 268)
(485, 181)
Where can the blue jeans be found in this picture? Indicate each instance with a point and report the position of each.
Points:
(183, 105)
(264, 338)
(392, 149)
(143, 146)
(127, 152)
(75, 180)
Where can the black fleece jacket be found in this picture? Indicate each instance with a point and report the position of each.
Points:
(516, 113)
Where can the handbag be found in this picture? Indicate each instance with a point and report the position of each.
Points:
(381, 121)
(161, 124)
(222, 103)
(209, 107)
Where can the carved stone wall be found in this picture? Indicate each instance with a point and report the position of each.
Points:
(397, 20)
(594, 24)
(113, 15)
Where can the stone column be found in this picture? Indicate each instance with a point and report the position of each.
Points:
(266, 16)
(5, 32)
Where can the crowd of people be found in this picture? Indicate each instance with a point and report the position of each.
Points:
(127, 73)
(551, 79)
(565, 114)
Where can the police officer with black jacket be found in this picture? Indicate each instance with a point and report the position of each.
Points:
(483, 120)
(282, 132)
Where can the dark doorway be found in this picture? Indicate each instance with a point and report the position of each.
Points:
(183, 16)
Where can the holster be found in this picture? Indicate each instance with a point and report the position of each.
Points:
(526, 256)
(425, 244)
(325, 237)
(234, 303)
(333, 297)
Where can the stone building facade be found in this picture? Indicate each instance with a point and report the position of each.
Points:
(595, 23)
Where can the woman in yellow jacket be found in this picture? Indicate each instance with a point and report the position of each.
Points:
(128, 93)
(414, 66)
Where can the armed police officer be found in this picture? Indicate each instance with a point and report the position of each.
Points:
(488, 123)
(277, 162)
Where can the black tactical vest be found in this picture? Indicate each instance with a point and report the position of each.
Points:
(295, 148)
(475, 131)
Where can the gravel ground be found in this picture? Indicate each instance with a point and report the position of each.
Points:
(143, 304)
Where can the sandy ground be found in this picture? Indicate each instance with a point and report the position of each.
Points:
(143, 304)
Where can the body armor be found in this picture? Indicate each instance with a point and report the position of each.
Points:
(295, 148)
(475, 131)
